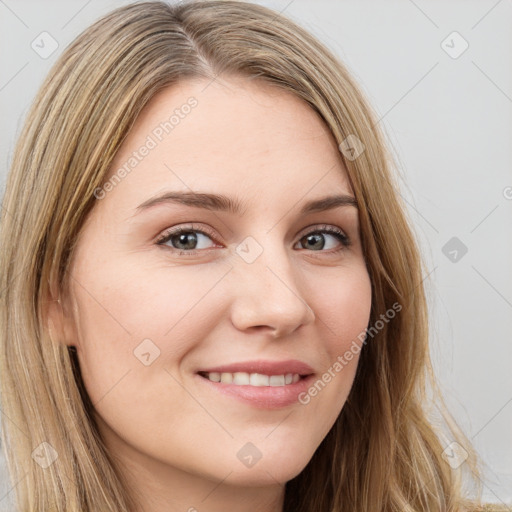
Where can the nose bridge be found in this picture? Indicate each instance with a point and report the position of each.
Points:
(268, 292)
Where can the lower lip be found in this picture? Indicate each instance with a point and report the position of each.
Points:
(264, 397)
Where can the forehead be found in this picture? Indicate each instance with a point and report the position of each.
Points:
(233, 136)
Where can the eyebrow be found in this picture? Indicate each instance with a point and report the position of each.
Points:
(220, 202)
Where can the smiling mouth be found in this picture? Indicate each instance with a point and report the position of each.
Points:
(253, 379)
(259, 390)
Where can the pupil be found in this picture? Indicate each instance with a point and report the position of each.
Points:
(182, 239)
(318, 238)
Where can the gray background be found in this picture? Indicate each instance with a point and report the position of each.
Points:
(449, 121)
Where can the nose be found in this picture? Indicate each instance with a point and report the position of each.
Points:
(267, 295)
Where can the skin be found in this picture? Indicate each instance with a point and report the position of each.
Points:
(176, 441)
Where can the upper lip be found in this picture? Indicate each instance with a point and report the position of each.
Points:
(265, 367)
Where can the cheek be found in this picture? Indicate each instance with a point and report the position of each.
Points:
(343, 313)
(155, 299)
(344, 307)
(125, 310)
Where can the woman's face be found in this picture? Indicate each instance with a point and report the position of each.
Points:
(265, 283)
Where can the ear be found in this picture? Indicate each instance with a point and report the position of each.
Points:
(58, 318)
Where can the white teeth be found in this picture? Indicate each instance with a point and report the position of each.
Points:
(253, 379)
(226, 378)
(277, 380)
(240, 378)
(257, 379)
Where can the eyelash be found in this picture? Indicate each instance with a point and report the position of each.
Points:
(166, 236)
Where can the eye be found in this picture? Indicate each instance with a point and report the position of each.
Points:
(185, 239)
(188, 240)
(316, 239)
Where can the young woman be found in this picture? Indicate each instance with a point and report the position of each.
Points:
(212, 295)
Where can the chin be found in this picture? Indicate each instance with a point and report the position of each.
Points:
(270, 472)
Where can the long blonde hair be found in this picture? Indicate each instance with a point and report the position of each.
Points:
(384, 452)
